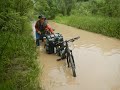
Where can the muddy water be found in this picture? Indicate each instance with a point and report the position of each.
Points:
(97, 61)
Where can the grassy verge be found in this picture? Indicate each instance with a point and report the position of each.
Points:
(18, 63)
(103, 25)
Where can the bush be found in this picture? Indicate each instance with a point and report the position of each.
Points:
(103, 25)
(18, 63)
(18, 67)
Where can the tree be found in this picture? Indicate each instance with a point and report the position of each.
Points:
(112, 8)
(53, 7)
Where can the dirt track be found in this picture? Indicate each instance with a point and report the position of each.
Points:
(97, 61)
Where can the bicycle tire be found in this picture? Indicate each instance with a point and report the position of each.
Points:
(72, 65)
(73, 60)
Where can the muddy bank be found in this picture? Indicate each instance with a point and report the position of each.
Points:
(97, 61)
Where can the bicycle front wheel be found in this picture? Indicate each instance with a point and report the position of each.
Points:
(71, 59)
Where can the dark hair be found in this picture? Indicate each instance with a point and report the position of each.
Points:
(41, 16)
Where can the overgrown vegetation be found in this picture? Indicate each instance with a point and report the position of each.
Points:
(50, 8)
(102, 25)
(100, 16)
(18, 65)
(108, 8)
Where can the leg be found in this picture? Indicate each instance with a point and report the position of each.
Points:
(43, 39)
(37, 42)
(37, 39)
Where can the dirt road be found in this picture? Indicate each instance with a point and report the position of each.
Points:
(97, 59)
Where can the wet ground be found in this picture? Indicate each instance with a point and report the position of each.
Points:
(97, 59)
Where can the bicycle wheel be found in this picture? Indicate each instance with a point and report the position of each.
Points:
(71, 60)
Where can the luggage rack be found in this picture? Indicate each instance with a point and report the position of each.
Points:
(51, 41)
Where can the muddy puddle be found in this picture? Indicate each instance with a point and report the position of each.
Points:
(97, 59)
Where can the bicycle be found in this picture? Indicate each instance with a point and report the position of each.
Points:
(67, 53)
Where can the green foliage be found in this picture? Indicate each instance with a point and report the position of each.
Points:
(88, 8)
(41, 7)
(50, 8)
(103, 25)
(112, 8)
(100, 16)
(109, 8)
(82, 0)
(81, 8)
(18, 67)
(23, 6)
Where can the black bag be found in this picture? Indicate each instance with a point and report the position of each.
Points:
(51, 41)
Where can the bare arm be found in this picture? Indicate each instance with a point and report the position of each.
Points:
(49, 29)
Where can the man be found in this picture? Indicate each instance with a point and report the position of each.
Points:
(41, 27)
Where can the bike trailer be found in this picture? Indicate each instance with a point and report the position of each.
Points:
(51, 41)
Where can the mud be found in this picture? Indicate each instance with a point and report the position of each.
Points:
(97, 59)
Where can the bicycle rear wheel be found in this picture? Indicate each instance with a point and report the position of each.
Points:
(71, 60)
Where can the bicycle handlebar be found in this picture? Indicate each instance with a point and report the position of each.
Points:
(73, 39)
(70, 40)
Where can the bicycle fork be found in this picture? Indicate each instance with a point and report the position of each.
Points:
(70, 55)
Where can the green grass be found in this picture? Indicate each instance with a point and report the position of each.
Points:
(18, 61)
(102, 25)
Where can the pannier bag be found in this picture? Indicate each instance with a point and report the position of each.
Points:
(51, 41)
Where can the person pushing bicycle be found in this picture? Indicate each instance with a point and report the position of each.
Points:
(41, 27)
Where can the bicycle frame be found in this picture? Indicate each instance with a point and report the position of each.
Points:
(68, 53)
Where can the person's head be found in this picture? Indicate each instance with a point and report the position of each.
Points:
(45, 23)
(41, 18)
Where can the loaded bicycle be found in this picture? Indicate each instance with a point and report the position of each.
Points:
(65, 52)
